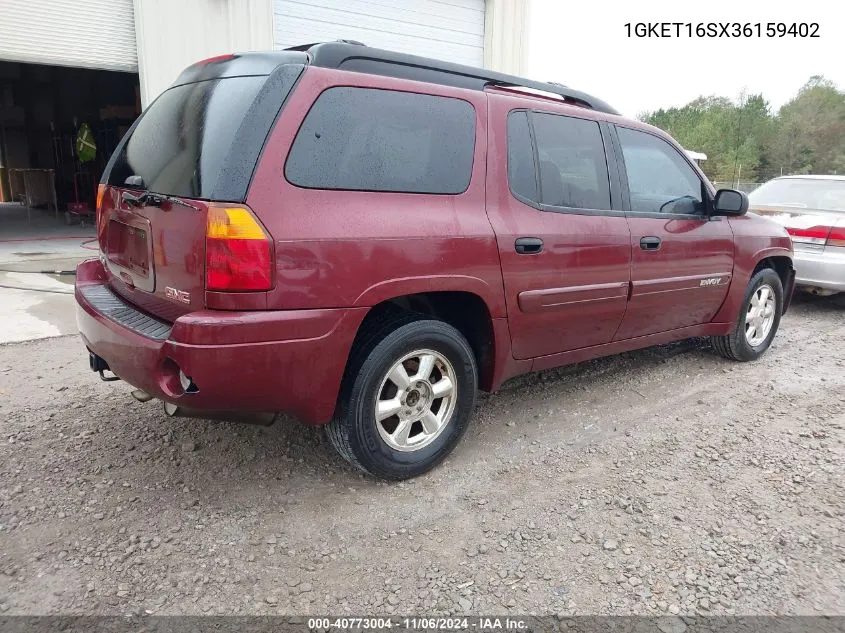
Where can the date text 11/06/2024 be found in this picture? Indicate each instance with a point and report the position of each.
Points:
(477, 624)
(721, 29)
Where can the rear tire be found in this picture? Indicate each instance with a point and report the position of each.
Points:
(758, 321)
(420, 377)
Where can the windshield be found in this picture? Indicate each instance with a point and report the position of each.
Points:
(801, 193)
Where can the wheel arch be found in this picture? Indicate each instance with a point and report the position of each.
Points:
(782, 265)
(393, 289)
(464, 310)
(776, 258)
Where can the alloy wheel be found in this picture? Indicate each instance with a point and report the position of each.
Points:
(416, 400)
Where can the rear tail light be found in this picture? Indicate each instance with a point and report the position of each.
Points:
(836, 236)
(238, 252)
(811, 235)
(101, 192)
(824, 235)
(101, 213)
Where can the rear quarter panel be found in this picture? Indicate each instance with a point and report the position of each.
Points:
(756, 238)
(357, 248)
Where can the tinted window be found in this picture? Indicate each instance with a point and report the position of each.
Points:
(181, 142)
(659, 179)
(573, 167)
(522, 175)
(381, 140)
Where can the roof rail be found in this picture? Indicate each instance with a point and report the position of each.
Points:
(305, 47)
(361, 58)
(540, 92)
(302, 47)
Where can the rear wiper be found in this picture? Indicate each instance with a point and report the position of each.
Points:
(177, 201)
(155, 200)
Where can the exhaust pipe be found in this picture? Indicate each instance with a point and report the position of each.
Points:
(260, 419)
(820, 292)
(141, 396)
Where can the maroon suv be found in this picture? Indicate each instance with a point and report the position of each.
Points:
(363, 239)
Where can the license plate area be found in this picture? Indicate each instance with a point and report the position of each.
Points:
(129, 251)
(127, 247)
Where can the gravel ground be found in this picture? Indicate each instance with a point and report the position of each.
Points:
(663, 481)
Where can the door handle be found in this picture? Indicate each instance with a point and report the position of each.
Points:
(650, 243)
(528, 245)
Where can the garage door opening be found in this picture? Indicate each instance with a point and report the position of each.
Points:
(58, 127)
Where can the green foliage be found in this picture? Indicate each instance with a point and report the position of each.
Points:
(746, 139)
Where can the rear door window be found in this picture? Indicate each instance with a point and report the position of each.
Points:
(572, 162)
(366, 139)
(522, 173)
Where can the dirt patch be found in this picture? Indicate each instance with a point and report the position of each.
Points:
(662, 481)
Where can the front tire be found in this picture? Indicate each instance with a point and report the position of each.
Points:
(407, 398)
(758, 319)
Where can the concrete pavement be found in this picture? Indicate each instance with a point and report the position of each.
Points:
(36, 293)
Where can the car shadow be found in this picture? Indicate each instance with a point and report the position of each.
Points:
(289, 451)
(807, 301)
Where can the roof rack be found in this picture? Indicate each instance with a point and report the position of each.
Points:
(538, 92)
(355, 56)
(305, 47)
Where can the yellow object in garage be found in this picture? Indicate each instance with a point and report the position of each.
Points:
(86, 148)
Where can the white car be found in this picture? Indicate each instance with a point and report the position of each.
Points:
(812, 208)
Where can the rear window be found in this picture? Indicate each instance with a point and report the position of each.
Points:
(382, 140)
(802, 193)
(181, 143)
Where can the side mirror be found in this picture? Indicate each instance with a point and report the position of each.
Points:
(730, 202)
(136, 182)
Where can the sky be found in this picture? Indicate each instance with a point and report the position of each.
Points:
(585, 45)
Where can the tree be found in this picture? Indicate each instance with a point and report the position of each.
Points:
(807, 134)
(811, 130)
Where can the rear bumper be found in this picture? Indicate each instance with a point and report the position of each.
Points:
(825, 269)
(287, 361)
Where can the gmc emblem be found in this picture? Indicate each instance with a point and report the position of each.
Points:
(177, 295)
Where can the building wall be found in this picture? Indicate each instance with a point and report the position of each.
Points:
(452, 30)
(173, 34)
(506, 35)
